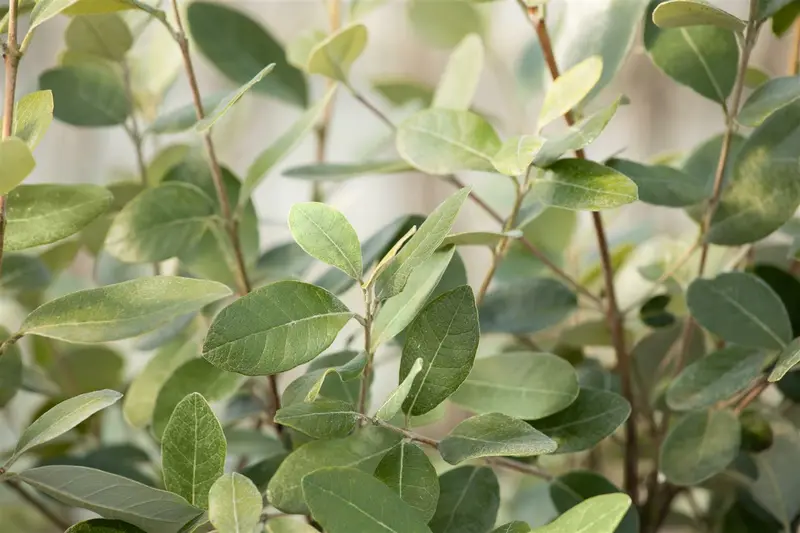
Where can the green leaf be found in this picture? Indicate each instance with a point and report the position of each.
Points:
(408, 471)
(662, 185)
(443, 141)
(325, 234)
(113, 497)
(193, 450)
(762, 193)
(103, 35)
(521, 384)
(600, 514)
(445, 24)
(785, 17)
(420, 247)
(516, 154)
(33, 114)
(275, 328)
(222, 33)
(345, 171)
(480, 238)
(140, 400)
(283, 146)
(69, 371)
(299, 47)
(461, 75)
(44, 214)
(101, 525)
(89, 94)
(333, 56)
(527, 307)
(768, 8)
(469, 498)
(787, 360)
(493, 435)
(704, 58)
(344, 500)
(234, 504)
(195, 375)
(700, 445)
(775, 487)
(182, 118)
(578, 136)
(573, 488)
(344, 366)
(740, 308)
(513, 527)
(61, 418)
(680, 13)
(23, 273)
(755, 78)
(394, 403)
(225, 105)
(160, 223)
(400, 92)
(400, 310)
(44, 10)
(363, 450)
(583, 185)
(16, 163)
(592, 417)
(121, 311)
(288, 525)
(768, 98)
(10, 370)
(716, 377)
(445, 336)
(319, 419)
(570, 89)
(703, 162)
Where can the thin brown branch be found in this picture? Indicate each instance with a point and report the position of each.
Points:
(794, 53)
(613, 316)
(751, 395)
(48, 513)
(369, 313)
(372, 107)
(11, 59)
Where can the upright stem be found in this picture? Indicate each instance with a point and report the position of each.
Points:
(613, 316)
(794, 53)
(11, 59)
(369, 312)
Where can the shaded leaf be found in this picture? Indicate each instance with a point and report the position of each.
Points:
(787, 360)
(394, 402)
(662, 185)
(527, 307)
(408, 471)
(224, 106)
(101, 525)
(88, 94)
(444, 24)
(103, 35)
(16, 163)
(461, 75)
(776, 485)
(469, 498)
(480, 238)
(70, 370)
(288, 525)
(184, 117)
(768, 98)
(400, 92)
(680, 13)
(319, 419)
(234, 504)
(10, 370)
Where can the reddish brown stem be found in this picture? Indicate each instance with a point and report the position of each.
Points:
(11, 59)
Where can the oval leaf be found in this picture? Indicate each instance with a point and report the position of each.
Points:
(234, 504)
(569, 89)
(16, 163)
(461, 75)
(275, 328)
(89, 94)
(320, 419)
(787, 360)
(583, 185)
(345, 171)
(101, 525)
(469, 498)
(702, 444)
(325, 234)
(527, 307)
(600, 514)
(103, 35)
(33, 114)
(394, 403)
(740, 308)
(768, 98)
(662, 185)
(332, 57)
(228, 102)
(575, 487)
(523, 385)
(516, 154)
(679, 13)
(408, 471)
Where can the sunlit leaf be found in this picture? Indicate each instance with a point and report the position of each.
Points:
(469, 498)
(583, 185)
(33, 114)
(333, 56)
(408, 471)
(570, 89)
(326, 234)
(16, 163)
(234, 504)
(680, 13)
(461, 75)
(600, 514)
(320, 419)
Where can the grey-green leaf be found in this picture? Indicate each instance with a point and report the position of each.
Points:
(10, 370)
(513, 527)
(700, 445)
(577, 486)
(345, 171)
(234, 504)
(44, 10)
(224, 106)
(33, 114)
(480, 238)
(740, 308)
(716, 377)
(160, 223)
(344, 500)
(195, 375)
(516, 154)
(527, 307)
(408, 471)
(445, 336)
(325, 234)
(520, 384)
(443, 141)
(104, 35)
(763, 192)
(222, 33)
(112, 496)
(193, 450)
(493, 435)
(469, 498)
(319, 419)
(394, 402)
(122, 310)
(184, 117)
(680, 13)
(43, 214)
(600, 514)
(363, 450)
(61, 418)
(662, 185)
(703, 58)
(592, 417)
(332, 57)
(461, 75)
(768, 98)
(89, 94)
(16, 163)
(582, 185)
(569, 89)
(101, 525)
(288, 525)
(420, 246)
(787, 360)
(275, 328)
